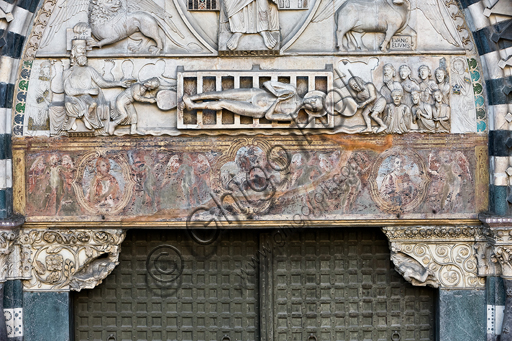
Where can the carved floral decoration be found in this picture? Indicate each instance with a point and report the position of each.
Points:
(64, 259)
(436, 256)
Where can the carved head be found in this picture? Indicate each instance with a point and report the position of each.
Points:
(440, 75)
(416, 96)
(405, 72)
(46, 70)
(356, 83)
(424, 72)
(152, 83)
(389, 72)
(438, 96)
(108, 7)
(397, 96)
(78, 52)
(314, 103)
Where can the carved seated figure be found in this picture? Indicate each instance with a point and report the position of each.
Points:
(82, 86)
(276, 102)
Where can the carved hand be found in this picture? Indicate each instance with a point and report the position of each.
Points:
(126, 83)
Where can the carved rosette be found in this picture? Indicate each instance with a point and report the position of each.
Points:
(437, 256)
(70, 259)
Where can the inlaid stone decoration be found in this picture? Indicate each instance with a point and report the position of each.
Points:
(173, 111)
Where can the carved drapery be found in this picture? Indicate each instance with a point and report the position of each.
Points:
(438, 256)
(70, 259)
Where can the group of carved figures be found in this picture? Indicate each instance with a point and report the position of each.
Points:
(76, 94)
(402, 104)
(406, 104)
(399, 106)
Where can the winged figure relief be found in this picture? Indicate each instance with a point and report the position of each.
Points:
(114, 20)
(385, 16)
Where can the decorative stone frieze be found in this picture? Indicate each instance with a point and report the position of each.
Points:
(438, 256)
(13, 258)
(70, 259)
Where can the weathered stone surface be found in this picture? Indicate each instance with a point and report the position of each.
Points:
(462, 315)
(46, 316)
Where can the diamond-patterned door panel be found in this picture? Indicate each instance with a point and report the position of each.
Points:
(338, 284)
(202, 304)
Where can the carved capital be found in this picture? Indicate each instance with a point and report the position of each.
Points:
(495, 254)
(13, 264)
(439, 256)
(70, 259)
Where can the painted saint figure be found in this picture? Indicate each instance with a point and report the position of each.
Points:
(397, 186)
(276, 102)
(104, 191)
(463, 105)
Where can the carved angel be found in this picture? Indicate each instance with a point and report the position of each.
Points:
(386, 16)
(113, 20)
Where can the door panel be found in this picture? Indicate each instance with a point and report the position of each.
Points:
(338, 284)
(201, 304)
(316, 284)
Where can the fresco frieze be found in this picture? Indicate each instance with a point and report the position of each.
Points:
(257, 179)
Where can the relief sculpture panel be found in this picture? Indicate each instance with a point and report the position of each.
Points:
(165, 111)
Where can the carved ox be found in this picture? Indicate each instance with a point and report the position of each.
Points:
(363, 16)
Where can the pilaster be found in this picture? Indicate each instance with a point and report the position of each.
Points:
(495, 260)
